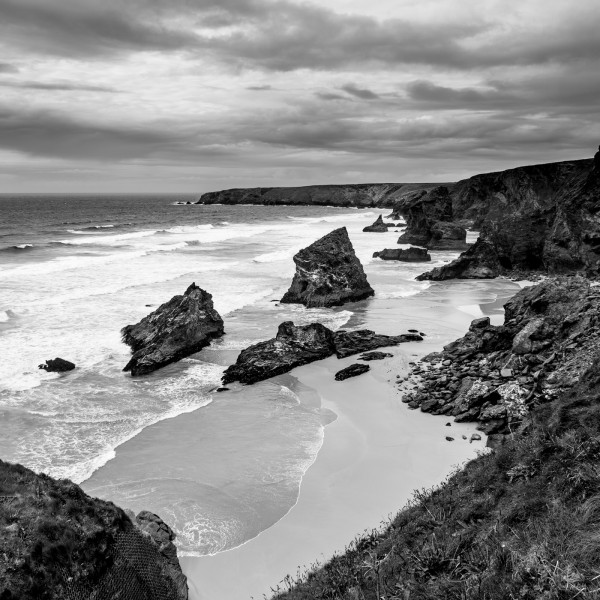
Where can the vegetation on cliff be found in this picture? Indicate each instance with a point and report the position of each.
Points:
(57, 542)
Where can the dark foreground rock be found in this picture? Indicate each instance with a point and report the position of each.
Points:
(496, 374)
(328, 273)
(295, 346)
(351, 371)
(58, 543)
(407, 255)
(378, 226)
(176, 329)
(57, 365)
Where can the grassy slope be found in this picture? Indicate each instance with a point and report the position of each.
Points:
(522, 522)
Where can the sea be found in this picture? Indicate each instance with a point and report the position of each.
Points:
(76, 269)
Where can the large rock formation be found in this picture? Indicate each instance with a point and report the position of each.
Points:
(542, 218)
(495, 375)
(328, 273)
(292, 347)
(428, 219)
(378, 226)
(408, 255)
(59, 543)
(295, 346)
(176, 329)
(365, 195)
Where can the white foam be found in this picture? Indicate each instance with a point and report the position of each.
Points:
(109, 240)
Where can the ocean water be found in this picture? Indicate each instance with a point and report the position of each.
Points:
(75, 269)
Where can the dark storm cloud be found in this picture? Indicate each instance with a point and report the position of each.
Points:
(562, 92)
(81, 29)
(42, 133)
(285, 36)
(8, 68)
(362, 93)
(330, 96)
(57, 86)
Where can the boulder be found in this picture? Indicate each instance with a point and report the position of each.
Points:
(57, 365)
(292, 347)
(351, 371)
(176, 329)
(409, 255)
(378, 226)
(328, 273)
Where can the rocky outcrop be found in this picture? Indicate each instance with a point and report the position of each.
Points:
(57, 365)
(296, 346)
(495, 375)
(328, 273)
(429, 221)
(292, 347)
(378, 226)
(369, 356)
(58, 543)
(163, 537)
(408, 255)
(348, 343)
(480, 261)
(176, 329)
(541, 218)
(367, 195)
(351, 371)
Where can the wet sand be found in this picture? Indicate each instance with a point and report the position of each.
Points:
(374, 454)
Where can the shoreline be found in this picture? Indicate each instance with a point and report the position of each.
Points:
(348, 487)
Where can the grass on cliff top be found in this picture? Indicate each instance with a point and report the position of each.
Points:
(520, 523)
(51, 531)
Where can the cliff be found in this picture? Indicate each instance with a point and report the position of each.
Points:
(537, 218)
(57, 542)
(518, 522)
(361, 195)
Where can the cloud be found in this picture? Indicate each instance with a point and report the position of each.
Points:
(57, 86)
(8, 68)
(330, 96)
(362, 93)
(259, 88)
(45, 133)
(77, 29)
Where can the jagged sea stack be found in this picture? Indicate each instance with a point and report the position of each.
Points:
(328, 273)
(180, 327)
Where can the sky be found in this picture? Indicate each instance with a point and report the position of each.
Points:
(200, 95)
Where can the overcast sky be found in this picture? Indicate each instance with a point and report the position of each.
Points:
(198, 95)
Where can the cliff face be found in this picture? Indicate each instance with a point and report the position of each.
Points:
(362, 195)
(538, 218)
(58, 543)
(429, 221)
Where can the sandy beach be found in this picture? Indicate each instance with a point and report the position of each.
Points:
(374, 454)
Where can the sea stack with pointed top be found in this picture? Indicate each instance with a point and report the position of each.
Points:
(378, 226)
(328, 273)
(180, 327)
